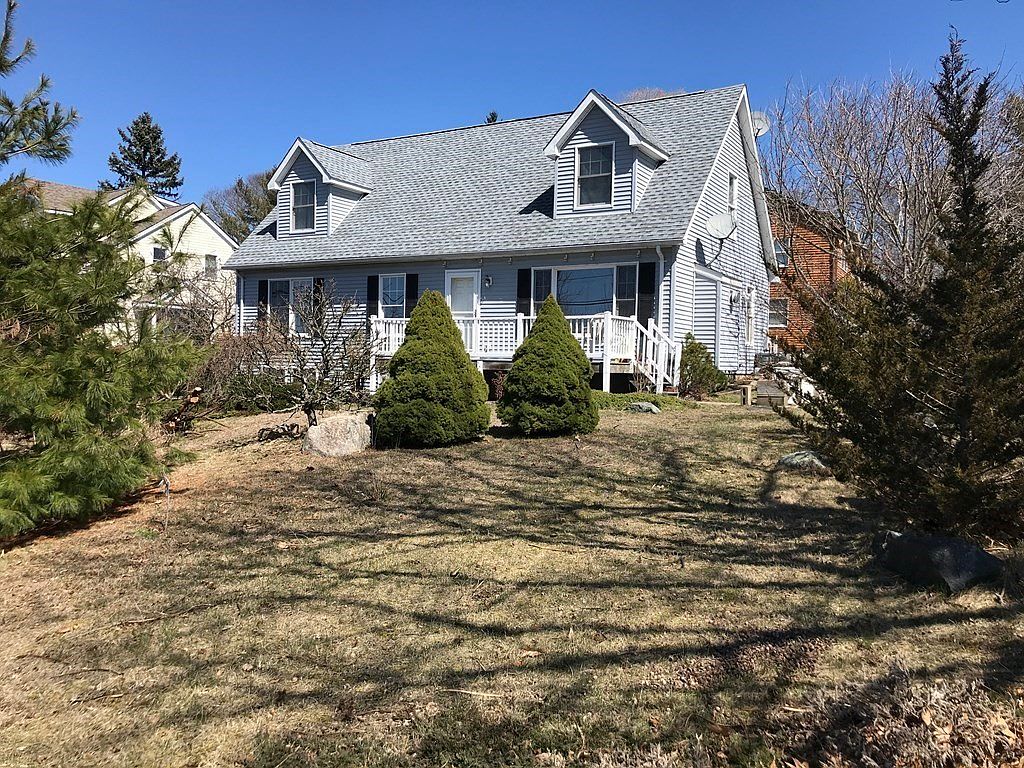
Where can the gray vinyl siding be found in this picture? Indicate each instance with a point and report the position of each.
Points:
(498, 300)
(705, 326)
(340, 203)
(644, 170)
(739, 258)
(302, 170)
(595, 128)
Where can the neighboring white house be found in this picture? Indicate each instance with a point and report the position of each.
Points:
(606, 207)
(204, 246)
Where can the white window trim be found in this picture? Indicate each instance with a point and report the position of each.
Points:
(291, 207)
(576, 267)
(576, 205)
(776, 325)
(216, 266)
(291, 298)
(450, 273)
(380, 293)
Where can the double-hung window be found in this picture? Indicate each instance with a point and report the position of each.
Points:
(290, 302)
(159, 254)
(392, 295)
(781, 253)
(778, 313)
(210, 266)
(594, 175)
(303, 206)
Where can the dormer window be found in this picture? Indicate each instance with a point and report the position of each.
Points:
(303, 206)
(594, 175)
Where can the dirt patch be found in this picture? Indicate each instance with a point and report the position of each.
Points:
(650, 591)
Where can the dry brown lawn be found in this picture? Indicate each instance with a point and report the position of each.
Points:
(652, 587)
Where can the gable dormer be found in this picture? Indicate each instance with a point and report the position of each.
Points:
(604, 159)
(317, 186)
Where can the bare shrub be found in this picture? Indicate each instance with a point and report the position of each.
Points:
(313, 354)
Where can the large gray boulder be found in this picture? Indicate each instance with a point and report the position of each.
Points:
(339, 435)
(642, 406)
(807, 462)
(936, 561)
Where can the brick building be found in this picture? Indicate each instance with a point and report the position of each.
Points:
(806, 258)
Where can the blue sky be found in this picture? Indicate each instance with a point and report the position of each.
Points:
(233, 82)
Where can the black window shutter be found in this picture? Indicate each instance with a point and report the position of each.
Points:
(412, 292)
(524, 291)
(647, 292)
(262, 299)
(372, 293)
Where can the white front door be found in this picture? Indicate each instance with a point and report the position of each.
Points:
(462, 290)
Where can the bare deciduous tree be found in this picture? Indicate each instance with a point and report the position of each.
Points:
(865, 162)
(317, 347)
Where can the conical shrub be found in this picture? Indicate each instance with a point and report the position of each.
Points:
(547, 390)
(435, 395)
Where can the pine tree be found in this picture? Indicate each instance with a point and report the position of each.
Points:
(927, 385)
(434, 394)
(34, 126)
(547, 390)
(73, 398)
(698, 376)
(141, 157)
(238, 209)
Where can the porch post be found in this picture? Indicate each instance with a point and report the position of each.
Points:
(606, 351)
(373, 383)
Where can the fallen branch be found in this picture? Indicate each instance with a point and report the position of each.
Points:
(471, 693)
(550, 549)
(162, 616)
(94, 697)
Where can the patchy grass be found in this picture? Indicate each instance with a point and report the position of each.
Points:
(649, 595)
(618, 401)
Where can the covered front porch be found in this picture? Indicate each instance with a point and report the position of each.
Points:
(613, 342)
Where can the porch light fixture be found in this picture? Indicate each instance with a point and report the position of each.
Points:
(488, 281)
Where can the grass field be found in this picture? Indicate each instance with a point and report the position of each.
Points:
(654, 588)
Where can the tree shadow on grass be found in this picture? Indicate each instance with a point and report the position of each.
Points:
(488, 601)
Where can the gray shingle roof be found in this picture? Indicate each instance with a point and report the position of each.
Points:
(641, 130)
(489, 189)
(341, 165)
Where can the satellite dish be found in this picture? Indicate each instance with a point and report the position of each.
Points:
(721, 226)
(761, 123)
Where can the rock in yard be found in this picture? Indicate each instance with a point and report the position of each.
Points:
(808, 462)
(642, 406)
(338, 435)
(928, 561)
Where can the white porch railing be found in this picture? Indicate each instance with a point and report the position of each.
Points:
(605, 338)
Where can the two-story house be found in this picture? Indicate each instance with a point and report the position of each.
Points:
(808, 261)
(159, 222)
(605, 207)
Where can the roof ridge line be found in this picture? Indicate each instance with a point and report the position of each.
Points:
(338, 147)
(680, 95)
